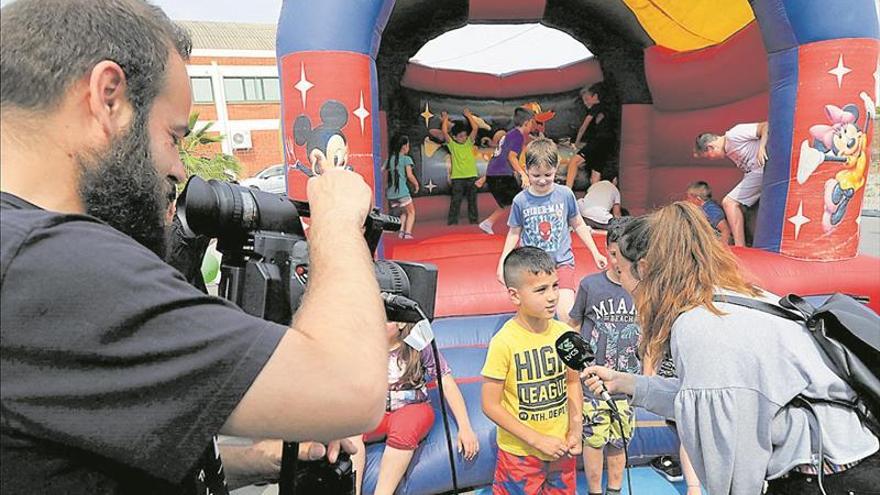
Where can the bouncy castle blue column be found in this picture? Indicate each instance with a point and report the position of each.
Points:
(329, 97)
(823, 63)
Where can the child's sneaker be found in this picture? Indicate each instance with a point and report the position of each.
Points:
(669, 467)
(486, 227)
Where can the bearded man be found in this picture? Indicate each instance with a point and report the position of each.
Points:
(116, 373)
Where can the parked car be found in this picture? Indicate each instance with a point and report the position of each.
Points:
(271, 179)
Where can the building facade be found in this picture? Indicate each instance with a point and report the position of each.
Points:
(235, 86)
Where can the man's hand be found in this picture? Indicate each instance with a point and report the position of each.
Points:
(312, 451)
(260, 462)
(550, 446)
(524, 177)
(601, 261)
(467, 112)
(341, 195)
(762, 154)
(467, 443)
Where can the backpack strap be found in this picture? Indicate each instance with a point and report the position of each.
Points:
(799, 304)
(761, 306)
(797, 309)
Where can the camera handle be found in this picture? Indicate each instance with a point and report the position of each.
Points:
(287, 476)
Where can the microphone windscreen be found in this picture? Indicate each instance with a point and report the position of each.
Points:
(573, 350)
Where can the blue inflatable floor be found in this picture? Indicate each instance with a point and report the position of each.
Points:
(645, 481)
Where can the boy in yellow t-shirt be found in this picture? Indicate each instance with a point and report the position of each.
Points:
(527, 390)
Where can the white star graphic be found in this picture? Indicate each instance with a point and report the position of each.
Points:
(799, 220)
(361, 113)
(303, 86)
(426, 114)
(877, 75)
(840, 71)
(430, 186)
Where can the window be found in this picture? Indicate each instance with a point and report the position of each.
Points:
(271, 172)
(202, 90)
(241, 89)
(271, 89)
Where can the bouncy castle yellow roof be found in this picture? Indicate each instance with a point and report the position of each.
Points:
(685, 25)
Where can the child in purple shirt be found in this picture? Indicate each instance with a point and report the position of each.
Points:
(501, 170)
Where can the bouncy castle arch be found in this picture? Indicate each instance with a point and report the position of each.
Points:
(675, 71)
(642, 50)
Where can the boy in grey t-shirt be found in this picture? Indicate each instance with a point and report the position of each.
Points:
(542, 215)
(606, 315)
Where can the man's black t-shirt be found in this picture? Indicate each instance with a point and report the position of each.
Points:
(116, 373)
(599, 136)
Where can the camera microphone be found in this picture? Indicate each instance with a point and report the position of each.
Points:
(399, 302)
(576, 354)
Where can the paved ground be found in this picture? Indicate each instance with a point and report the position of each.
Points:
(869, 242)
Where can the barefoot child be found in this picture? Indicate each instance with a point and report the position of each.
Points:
(409, 416)
(400, 178)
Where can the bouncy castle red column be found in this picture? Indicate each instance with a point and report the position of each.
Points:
(329, 97)
(635, 176)
(823, 76)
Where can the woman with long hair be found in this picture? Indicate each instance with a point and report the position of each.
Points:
(738, 369)
(400, 177)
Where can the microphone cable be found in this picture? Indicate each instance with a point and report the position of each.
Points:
(439, 377)
(614, 414)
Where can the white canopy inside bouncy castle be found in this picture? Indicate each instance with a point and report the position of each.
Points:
(501, 49)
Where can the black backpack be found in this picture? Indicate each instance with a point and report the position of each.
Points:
(848, 332)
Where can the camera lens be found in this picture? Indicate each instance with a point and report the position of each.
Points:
(220, 209)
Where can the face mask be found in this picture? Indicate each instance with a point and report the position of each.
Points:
(420, 336)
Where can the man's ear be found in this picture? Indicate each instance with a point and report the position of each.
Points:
(108, 97)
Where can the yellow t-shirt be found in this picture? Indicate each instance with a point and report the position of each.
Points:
(534, 382)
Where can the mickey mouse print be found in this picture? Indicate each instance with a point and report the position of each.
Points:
(327, 120)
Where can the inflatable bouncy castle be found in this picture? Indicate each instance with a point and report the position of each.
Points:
(674, 69)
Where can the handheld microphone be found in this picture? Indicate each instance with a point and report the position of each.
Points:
(576, 354)
(574, 351)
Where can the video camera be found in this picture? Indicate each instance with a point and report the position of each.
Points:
(265, 271)
(265, 265)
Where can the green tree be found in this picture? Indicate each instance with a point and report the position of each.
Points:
(200, 161)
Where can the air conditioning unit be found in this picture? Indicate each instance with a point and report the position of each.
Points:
(241, 140)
